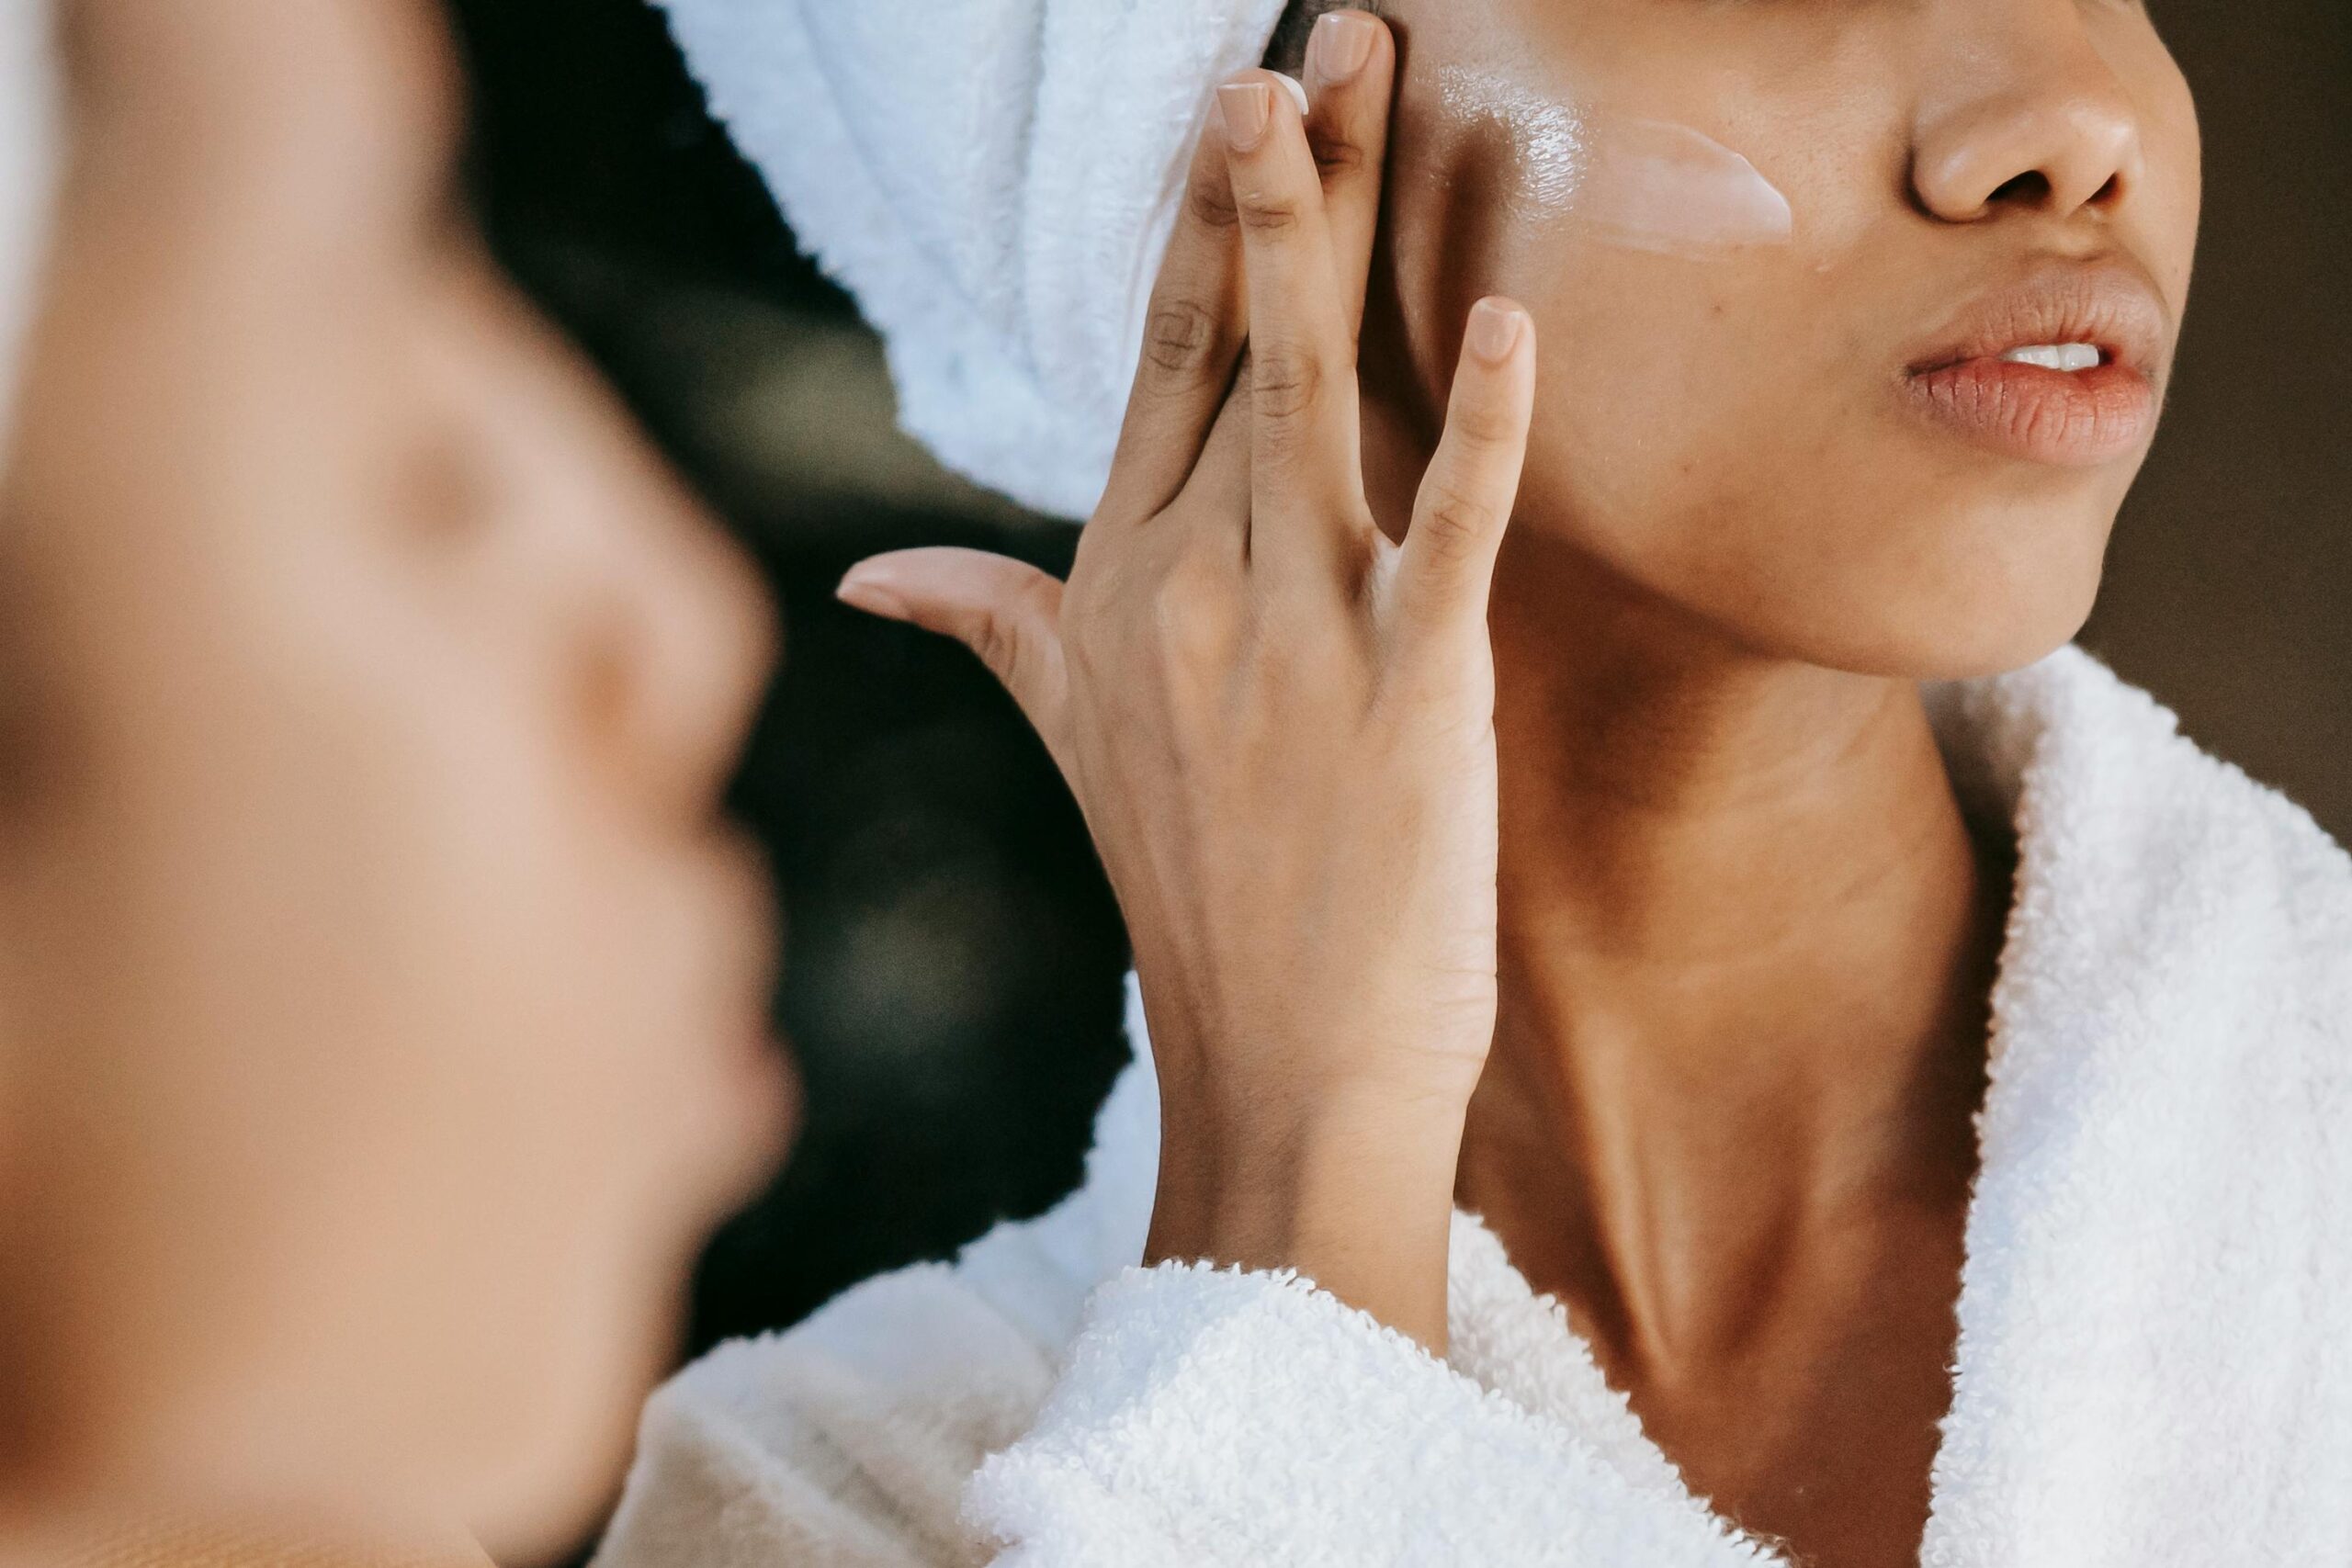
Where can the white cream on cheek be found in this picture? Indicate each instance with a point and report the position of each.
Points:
(1648, 184)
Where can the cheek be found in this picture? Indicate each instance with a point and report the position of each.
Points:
(1729, 436)
(1667, 385)
(2174, 199)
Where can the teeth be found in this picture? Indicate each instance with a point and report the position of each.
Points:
(2068, 357)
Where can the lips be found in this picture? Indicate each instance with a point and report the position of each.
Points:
(2063, 418)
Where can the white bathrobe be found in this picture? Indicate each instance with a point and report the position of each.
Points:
(2154, 1362)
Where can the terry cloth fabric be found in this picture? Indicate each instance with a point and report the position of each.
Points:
(29, 144)
(995, 181)
(2154, 1361)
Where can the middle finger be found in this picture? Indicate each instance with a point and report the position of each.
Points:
(1306, 502)
(1352, 76)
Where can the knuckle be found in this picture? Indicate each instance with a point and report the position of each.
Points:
(1007, 641)
(1487, 434)
(1339, 158)
(1456, 523)
(1485, 427)
(1284, 381)
(1179, 340)
(1209, 199)
(998, 645)
(1272, 214)
(1189, 616)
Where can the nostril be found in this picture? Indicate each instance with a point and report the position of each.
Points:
(2029, 190)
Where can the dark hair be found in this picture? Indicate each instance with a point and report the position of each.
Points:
(1287, 54)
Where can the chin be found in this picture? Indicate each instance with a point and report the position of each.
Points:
(560, 1484)
(568, 1413)
(1971, 630)
(1966, 593)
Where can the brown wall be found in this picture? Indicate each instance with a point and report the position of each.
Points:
(2229, 588)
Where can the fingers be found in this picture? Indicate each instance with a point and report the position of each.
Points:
(1447, 566)
(1305, 476)
(1351, 77)
(1196, 325)
(1005, 610)
(1193, 337)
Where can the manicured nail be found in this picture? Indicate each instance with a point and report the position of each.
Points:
(1340, 45)
(1297, 89)
(864, 588)
(1246, 106)
(1494, 330)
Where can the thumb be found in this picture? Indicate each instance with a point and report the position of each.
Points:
(1007, 612)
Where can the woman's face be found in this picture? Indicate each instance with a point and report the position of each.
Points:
(1777, 250)
(381, 1001)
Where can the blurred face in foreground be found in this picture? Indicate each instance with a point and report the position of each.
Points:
(381, 1000)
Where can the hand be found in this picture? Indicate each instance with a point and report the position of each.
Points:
(1279, 722)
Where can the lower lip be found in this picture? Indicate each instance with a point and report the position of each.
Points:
(2068, 419)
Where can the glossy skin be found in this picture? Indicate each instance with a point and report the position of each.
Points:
(385, 999)
(1714, 1082)
(1732, 434)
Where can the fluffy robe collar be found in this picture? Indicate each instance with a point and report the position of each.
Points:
(2154, 1362)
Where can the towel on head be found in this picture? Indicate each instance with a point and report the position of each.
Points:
(28, 175)
(995, 181)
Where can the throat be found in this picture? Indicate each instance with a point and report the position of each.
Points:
(1743, 1162)
(1746, 965)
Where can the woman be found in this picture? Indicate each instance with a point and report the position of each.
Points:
(381, 996)
(1897, 1076)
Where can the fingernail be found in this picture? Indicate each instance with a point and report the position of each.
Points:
(1246, 107)
(1340, 45)
(1297, 89)
(863, 589)
(1494, 330)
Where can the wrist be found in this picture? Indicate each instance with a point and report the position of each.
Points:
(1353, 1190)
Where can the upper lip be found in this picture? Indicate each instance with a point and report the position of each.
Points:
(2109, 303)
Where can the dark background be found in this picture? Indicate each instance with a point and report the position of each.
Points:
(954, 994)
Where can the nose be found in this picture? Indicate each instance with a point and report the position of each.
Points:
(679, 665)
(2030, 118)
(651, 627)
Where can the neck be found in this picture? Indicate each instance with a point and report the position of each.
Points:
(1746, 941)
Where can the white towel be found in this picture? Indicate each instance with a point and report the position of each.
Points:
(28, 141)
(995, 181)
(2154, 1363)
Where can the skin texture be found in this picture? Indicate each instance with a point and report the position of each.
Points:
(1745, 934)
(384, 998)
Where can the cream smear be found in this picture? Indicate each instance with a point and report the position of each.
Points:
(1648, 184)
